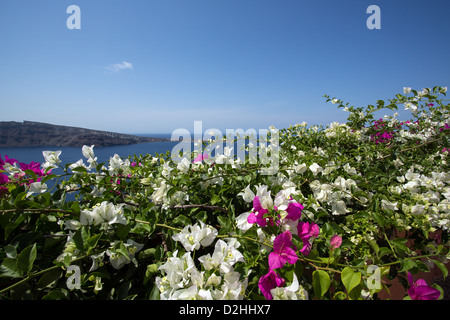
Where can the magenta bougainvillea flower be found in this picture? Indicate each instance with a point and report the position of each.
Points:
(268, 282)
(258, 217)
(294, 211)
(282, 251)
(33, 166)
(306, 231)
(335, 242)
(9, 160)
(3, 178)
(200, 158)
(419, 290)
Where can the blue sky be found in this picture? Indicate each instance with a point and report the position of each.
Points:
(152, 66)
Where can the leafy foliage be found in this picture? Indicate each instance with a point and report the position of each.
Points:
(374, 197)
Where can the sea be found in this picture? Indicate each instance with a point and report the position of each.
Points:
(70, 155)
(103, 154)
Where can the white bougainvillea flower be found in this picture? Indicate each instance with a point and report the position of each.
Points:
(159, 195)
(78, 164)
(116, 164)
(387, 205)
(87, 217)
(338, 207)
(37, 187)
(51, 159)
(282, 200)
(300, 168)
(176, 274)
(291, 292)
(233, 288)
(192, 293)
(118, 259)
(315, 168)
(265, 199)
(109, 213)
(226, 157)
(105, 213)
(97, 260)
(192, 237)
(88, 153)
(242, 221)
(247, 194)
(224, 257)
(184, 165)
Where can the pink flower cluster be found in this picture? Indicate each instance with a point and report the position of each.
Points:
(283, 249)
(382, 136)
(33, 166)
(446, 127)
(200, 158)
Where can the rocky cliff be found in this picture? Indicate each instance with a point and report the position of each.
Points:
(31, 134)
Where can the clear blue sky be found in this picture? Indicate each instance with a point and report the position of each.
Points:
(229, 63)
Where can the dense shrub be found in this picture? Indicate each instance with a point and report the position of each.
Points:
(349, 207)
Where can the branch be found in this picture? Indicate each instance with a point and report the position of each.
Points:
(203, 206)
(412, 148)
(37, 210)
(185, 206)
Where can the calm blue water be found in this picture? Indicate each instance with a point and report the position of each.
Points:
(71, 154)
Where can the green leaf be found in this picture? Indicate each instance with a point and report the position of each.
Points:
(202, 216)
(446, 141)
(26, 258)
(57, 294)
(9, 269)
(75, 207)
(154, 294)
(91, 242)
(355, 294)
(224, 222)
(215, 199)
(350, 278)
(147, 253)
(80, 169)
(378, 217)
(438, 287)
(79, 238)
(327, 230)
(384, 251)
(123, 230)
(13, 225)
(172, 191)
(442, 267)
(340, 295)
(182, 220)
(120, 248)
(49, 279)
(152, 269)
(321, 283)
(400, 246)
(10, 251)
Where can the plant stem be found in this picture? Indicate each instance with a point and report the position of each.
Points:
(159, 225)
(37, 274)
(36, 210)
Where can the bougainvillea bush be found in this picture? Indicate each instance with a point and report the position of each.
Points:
(351, 207)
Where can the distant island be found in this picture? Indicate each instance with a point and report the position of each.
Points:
(38, 134)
